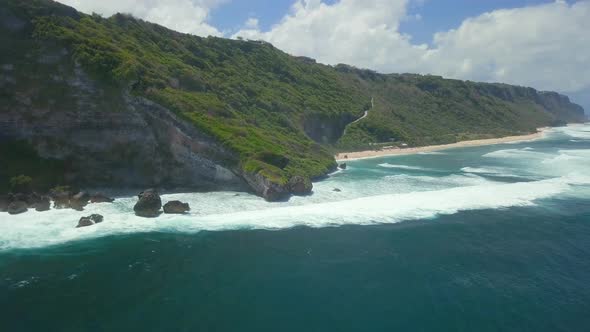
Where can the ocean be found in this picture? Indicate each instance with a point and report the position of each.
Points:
(490, 238)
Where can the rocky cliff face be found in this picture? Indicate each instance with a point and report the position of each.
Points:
(105, 135)
(230, 114)
(558, 105)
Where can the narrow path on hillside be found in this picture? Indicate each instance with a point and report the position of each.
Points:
(362, 117)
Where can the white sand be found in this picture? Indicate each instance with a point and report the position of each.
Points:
(430, 148)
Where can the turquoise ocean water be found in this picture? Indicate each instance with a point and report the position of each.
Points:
(493, 238)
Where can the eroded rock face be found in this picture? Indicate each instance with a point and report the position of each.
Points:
(79, 201)
(109, 137)
(90, 220)
(61, 197)
(17, 207)
(300, 185)
(176, 207)
(43, 204)
(268, 189)
(149, 204)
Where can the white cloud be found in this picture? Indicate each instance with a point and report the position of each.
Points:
(251, 23)
(189, 16)
(544, 46)
(362, 33)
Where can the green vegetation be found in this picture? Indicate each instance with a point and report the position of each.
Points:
(423, 110)
(258, 101)
(21, 183)
(248, 95)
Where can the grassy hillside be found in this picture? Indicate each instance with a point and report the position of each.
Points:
(423, 110)
(249, 95)
(282, 115)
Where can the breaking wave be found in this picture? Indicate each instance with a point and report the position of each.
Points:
(403, 167)
(363, 197)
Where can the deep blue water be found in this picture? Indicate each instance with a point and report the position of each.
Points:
(493, 238)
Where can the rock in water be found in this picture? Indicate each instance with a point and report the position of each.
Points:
(61, 197)
(90, 220)
(176, 207)
(97, 218)
(17, 207)
(32, 199)
(343, 166)
(300, 185)
(43, 204)
(79, 201)
(100, 198)
(149, 204)
(337, 190)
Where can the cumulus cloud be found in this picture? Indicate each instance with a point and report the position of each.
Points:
(189, 16)
(545, 46)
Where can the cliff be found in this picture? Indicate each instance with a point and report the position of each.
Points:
(119, 101)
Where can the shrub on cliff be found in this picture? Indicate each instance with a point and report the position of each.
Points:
(21, 184)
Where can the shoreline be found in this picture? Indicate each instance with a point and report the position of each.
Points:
(344, 156)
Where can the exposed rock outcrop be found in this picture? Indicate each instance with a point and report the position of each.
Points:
(17, 207)
(342, 166)
(79, 200)
(176, 207)
(299, 185)
(43, 204)
(61, 197)
(267, 188)
(90, 220)
(149, 204)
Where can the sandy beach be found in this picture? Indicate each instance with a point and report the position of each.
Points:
(430, 148)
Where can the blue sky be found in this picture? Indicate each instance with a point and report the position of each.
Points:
(436, 15)
(543, 44)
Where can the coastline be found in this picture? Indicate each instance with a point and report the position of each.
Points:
(344, 156)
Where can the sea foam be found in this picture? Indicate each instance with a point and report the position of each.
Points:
(215, 213)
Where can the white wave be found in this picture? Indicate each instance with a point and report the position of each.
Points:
(424, 183)
(217, 212)
(525, 153)
(494, 171)
(405, 167)
(432, 153)
(577, 131)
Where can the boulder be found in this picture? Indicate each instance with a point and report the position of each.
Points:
(43, 204)
(176, 207)
(342, 166)
(61, 196)
(149, 204)
(17, 207)
(299, 185)
(79, 201)
(32, 200)
(90, 220)
(20, 197)
(337, 190)
(269, 189)
(97, 218)
(61, 200)
(100, 198)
